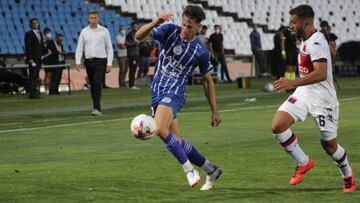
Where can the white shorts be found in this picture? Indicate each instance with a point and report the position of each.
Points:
(326, 119)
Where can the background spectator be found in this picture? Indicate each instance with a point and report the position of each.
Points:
(256, 48)
(133, 54)
(202, 35)
(146, 47)
(49, 60)
(216, 46)
(122, 55)
(289, 53)
(330, 37)
(34, 48)
(277, 61)
(59, 56)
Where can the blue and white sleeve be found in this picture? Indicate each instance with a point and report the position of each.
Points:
(205, 63)
(161, 32)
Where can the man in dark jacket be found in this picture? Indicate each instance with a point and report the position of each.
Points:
(59, 56)
(34, 49)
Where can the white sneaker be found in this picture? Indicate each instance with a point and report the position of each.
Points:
(193, 178)
(134, 88)
(211, 178)
(95, 112)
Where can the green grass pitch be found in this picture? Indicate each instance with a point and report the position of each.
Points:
(51, 150)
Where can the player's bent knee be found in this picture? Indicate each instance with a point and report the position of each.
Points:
(277, 128)
(162, 132)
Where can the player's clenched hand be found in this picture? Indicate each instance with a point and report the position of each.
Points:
(78, 66)
(283, 84)
(166, 16)
(215, 119)
(108, 69)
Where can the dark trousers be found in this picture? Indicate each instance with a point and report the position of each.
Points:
(33, 81)
(144, 64)
(259, 62)
(56, 79)
(95, 69)
(220, 58)
(123, 69)
(133, 61)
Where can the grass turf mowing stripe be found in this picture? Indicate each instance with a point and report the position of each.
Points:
(129, 118)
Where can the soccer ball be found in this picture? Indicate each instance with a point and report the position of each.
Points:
(143, 127)
(269, 87)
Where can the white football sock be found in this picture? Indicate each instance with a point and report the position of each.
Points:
(187, 167)
(342, 161)
(289, 141)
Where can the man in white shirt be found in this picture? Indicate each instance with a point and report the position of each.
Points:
(95, 41)
(122, 55)
(315, 96)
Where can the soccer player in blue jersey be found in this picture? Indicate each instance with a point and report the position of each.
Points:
(181, 52)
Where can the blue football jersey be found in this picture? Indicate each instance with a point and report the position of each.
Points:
(176, 61)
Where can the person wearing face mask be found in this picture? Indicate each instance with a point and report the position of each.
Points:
(34, 48)
(49, 59)
(58, 56)
(256, 48)
(202, 35)
(133, 54)
(122, 55)
(216, 47)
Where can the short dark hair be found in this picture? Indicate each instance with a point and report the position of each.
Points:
(324, 23)
(46, 30)
(194, 12)
(134, 23)
(93, 12)
(302, 11)
(59, 35)
(204, 27)
(33, 19)
(217, 26)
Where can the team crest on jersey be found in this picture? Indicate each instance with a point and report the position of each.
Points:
(177, 50)
(166, 100)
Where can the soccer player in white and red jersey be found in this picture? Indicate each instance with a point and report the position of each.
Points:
(314, 95)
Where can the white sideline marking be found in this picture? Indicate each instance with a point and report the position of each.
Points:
(129, 118)
(61, 125)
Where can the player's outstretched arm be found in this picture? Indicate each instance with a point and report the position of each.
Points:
(209, 89)
(319, 74)
(145, 30)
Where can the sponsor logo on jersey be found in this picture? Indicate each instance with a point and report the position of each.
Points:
(166, 100)
(305, 64)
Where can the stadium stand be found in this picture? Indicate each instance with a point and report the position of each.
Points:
(66, 17)
(235, 16)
